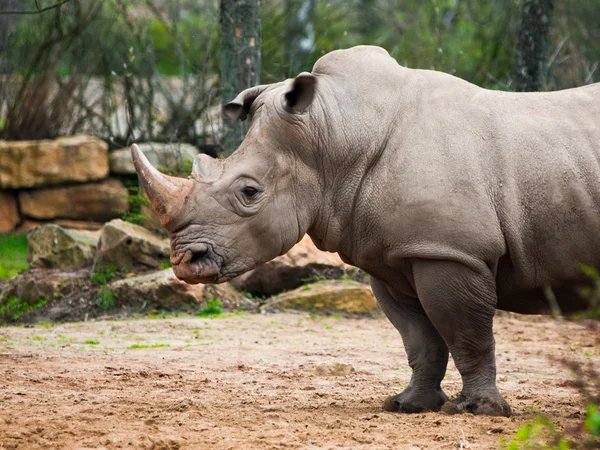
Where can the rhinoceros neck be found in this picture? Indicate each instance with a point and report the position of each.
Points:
(356, 133)
(343, 182)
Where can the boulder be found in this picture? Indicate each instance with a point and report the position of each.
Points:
(303, 262)
(52, 246)
(162, 289)
(332, 296)
(52, 162)
(175, 159)
(31, 296)
(9, 212)
(99, 202)
(130, 247)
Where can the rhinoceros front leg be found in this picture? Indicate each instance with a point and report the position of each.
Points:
(461, 303)
(427, 352)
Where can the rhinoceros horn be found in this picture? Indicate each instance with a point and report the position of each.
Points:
(167, 194)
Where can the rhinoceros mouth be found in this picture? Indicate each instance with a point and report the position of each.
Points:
(197, 265)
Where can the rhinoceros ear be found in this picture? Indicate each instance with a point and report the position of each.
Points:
(301, 92)
(238, 108)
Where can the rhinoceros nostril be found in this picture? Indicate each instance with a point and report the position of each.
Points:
(198, 257)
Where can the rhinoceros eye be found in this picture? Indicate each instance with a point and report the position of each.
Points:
(250, 191)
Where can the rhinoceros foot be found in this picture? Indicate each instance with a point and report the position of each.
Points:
(413, 401)
(486, 405)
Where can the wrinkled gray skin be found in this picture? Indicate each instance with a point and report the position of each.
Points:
(456, 200)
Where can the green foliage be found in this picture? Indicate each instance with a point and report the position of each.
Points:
(91, 342)
(13, 254)
(38, 338)
(212, 309)
(105, 299)
(592, 421)
(539, 434)
(591, 293)
(166, 264)
(14, 307)
(103, 274)
(137, 201)
(182, 169)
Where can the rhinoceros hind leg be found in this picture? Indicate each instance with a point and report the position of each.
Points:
(427, 352)
(461, 303)
(412, 401)
(491, 405)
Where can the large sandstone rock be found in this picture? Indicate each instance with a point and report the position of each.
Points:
(327, 297)
(9, 212)
(169, 158)
(162, 289)
(89, 225)
(51, 162)
(52, 246)
(303, 262)
(130, 247)
(100, 201)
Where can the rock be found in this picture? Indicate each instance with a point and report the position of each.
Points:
(229, 297)
(176, 159)
(327, 297)
(30, 295)
(303, 262)
(9, 212)
(130, 247)
(73, 224)
(52, 246)
(162, 289)
(52, 162)
(93, 202)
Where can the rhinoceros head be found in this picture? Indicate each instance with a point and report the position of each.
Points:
(234, 214)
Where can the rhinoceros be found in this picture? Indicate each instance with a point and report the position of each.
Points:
(457, 201)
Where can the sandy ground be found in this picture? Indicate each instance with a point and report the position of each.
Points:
(261, 382)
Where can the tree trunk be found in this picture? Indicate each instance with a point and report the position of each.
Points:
(240, 58)
(299, 34)
(8, 23)
(531, 45)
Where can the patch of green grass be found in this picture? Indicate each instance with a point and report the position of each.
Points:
(166, 264)
(14, 307)
(212, 309)
(13, 256)
(46, 324)
(148, 346)
(103, 275)
(91, 342)
(105, 299)
(38, 338)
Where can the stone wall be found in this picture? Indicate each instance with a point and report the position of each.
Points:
(72, 181)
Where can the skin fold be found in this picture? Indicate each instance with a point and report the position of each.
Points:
(456, 200)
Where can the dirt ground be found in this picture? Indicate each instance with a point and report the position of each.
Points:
(261, 382)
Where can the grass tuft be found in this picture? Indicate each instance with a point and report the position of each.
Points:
(13, 254)
(148, 346)
(212, 309)
(14, 307)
